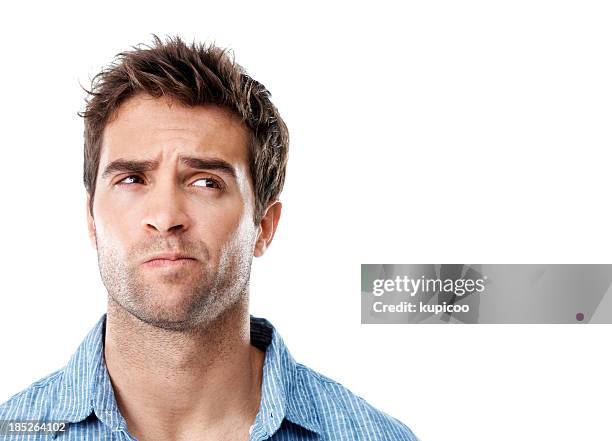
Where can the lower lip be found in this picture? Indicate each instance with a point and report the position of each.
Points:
(166, 263)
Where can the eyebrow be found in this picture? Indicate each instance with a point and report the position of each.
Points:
(140, 166)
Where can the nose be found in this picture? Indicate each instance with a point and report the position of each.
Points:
(165, 211)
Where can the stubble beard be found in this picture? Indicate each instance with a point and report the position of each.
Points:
(204, 292)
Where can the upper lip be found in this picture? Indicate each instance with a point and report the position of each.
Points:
(168, 256)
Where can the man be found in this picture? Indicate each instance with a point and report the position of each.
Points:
(185, 158)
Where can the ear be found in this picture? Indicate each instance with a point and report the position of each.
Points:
(267, 228)
(91, 225)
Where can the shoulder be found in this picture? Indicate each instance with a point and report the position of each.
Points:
(36, 402)
(340, 411)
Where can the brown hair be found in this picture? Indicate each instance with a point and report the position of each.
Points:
(194, 74)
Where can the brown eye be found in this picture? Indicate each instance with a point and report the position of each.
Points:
(131, 179)
(207, 182)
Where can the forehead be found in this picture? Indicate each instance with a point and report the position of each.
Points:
(156, 128)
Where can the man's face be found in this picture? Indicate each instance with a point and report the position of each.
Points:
(174, 183)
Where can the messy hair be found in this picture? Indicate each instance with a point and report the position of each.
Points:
(192, 74)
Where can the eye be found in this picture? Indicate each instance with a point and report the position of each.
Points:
(130, 180)
(207, 182)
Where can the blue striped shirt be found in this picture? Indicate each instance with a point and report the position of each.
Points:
(297, 403)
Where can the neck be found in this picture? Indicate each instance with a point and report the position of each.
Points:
(169, 383)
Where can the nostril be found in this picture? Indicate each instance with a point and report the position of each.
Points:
(162, 229)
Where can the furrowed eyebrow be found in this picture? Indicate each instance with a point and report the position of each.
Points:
(209, 164)
(128, 166)
(134, 166)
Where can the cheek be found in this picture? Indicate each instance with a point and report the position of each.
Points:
(114, 227)
(229, 232)
(220, 228)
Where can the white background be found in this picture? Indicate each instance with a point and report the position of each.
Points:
(432, 132)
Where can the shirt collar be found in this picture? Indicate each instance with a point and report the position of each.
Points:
(282, 394)
(87, 387)
(86, 384)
